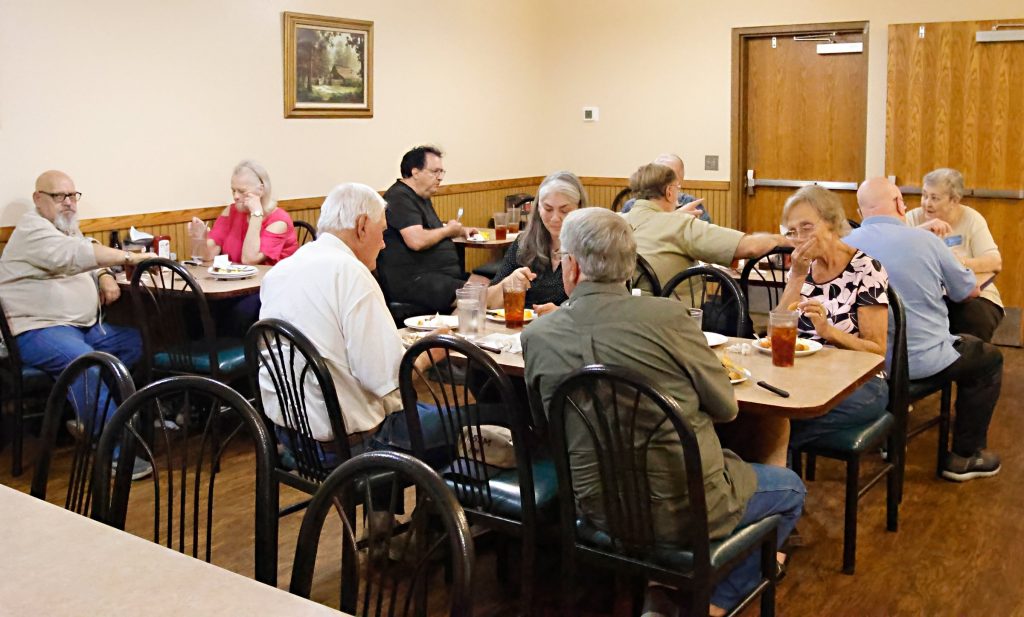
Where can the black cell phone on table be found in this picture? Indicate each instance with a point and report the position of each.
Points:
(989, 281)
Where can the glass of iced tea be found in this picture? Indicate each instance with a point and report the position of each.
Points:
(515, 303)
(500, 225)
(782, 325)
(513, 220)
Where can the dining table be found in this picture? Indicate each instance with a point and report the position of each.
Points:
(813, 385)
(56, 562)
(214, 287)
(490, 244)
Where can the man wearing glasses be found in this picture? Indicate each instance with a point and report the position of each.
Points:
(53, 281)
(419, 262)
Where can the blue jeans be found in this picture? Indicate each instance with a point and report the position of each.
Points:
(864, 405)
(393, 434)
(52, 349)
(779, 491)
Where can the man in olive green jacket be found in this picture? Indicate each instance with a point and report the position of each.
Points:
(602, 323)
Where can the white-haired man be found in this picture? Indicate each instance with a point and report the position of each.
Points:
(326, 290)
(602, 323)
(53, 281)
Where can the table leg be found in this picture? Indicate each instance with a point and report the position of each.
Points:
(757, 438)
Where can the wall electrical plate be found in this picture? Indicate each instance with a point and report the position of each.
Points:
(591, 114)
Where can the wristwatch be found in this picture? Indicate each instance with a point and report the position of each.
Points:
(256, 214)
(127, 258)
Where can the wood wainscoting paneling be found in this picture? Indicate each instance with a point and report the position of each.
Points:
(602, 192)
(479, 201)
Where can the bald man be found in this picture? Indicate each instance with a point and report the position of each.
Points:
(922, 270)
(53, 282)
(686, 203)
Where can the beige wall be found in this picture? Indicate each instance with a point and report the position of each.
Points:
(149, 104)
(660, 71)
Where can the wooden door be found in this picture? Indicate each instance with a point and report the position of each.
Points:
(798, 115)
(955, 102)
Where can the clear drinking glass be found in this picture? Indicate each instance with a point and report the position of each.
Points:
(513, 220)
(500, 225)
(469, 312)
(697, 315)
(782, 327)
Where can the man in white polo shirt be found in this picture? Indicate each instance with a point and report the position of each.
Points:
(327, 291)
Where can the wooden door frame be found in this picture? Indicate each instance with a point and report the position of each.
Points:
(738, 154)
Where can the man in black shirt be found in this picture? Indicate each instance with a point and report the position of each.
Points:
(419, 260)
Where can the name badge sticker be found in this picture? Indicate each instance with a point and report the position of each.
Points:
(952, 241)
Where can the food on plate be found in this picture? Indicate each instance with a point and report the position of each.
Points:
(734, 371)
(766, 343)
(433, 322)
(232, 269)
(528, 314)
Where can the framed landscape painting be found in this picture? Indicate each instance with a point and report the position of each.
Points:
(328, 67)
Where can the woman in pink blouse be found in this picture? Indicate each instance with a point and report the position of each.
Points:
(252, 229)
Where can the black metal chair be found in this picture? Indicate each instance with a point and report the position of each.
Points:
(304, 232)
(178, 332)
(509, 500)
(400, 311)
(620, 198)
(852, 444)
(644, 278)
(771, 280)
(95, 368)
(287, 362)
(921, 389)
(717, 294)
(20, 384)
(182, 425)
(615, 413)
(396, 571)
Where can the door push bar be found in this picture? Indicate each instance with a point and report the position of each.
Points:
(795, 184)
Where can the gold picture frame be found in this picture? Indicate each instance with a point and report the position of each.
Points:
(328, 67)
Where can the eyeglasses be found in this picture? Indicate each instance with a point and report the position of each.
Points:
(60, 197)
(804, 230)
(437, 173)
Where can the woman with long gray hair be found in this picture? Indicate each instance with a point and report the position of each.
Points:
(534, 256)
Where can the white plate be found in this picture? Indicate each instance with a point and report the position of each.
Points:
(242, 272)
(498, 315)
(432, 322)
(715, 339)
(812, 347)
(746, 376)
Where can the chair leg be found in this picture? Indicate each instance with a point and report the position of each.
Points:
(944, 419)
(850, 516)
(527, 573)
(892, 497)
(769, 570)
(18, 439)
(797, 462)
(811, 460)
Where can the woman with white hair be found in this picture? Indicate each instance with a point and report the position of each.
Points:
(966, 233)
(252, 229)
(534, 256)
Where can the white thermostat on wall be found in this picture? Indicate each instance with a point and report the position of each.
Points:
(590, 114)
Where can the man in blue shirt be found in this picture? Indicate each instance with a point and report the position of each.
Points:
(922, 270)
(686, 202)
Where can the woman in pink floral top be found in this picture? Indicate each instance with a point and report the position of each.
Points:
(252, 229)
(841, 294)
